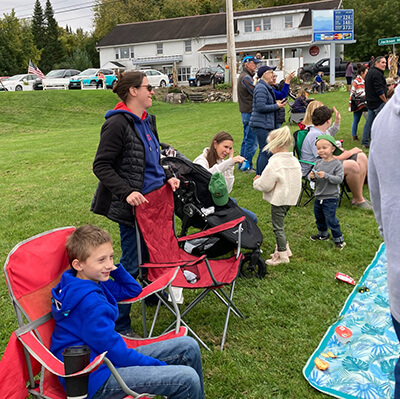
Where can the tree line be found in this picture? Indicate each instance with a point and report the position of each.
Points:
(50, 46)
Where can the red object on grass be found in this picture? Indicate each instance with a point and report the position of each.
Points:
(345, 278)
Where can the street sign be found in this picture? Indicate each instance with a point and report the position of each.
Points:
(388, 41)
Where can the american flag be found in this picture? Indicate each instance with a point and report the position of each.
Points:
(35, 70)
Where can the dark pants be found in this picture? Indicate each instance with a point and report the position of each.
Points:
(325, 217)
(278, 214)
(129, 259)
(396, 326)
(263, 156)
(372, 113)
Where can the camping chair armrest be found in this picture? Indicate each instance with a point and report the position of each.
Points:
(40, 353)
(158, 285)
(180, 263)
(307, 162)
(213, 230)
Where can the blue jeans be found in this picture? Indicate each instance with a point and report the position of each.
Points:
(249, 144)
(263, 156)
(182, 378)
(129, 260)
(356, 120)
(325, 217)
(372, 113)
(396, 326)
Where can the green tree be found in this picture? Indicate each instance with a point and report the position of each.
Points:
(38, 25)
(52, 51)
(371, 25)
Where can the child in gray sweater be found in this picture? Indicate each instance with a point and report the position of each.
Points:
(328, 174)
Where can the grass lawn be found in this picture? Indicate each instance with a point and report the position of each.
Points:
(47, 144)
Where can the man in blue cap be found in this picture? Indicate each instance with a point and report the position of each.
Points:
(245, 89)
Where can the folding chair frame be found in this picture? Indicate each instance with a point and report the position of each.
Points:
(227, 299)
(34, 349)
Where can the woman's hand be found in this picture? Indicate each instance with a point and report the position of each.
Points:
(256, 177)
(135, 198)
(281, 103)
(238, 159)
(290, 77)
(174, 183)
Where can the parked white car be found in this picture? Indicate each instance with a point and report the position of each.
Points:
(20, 82)
(59, 79)
(156, 78)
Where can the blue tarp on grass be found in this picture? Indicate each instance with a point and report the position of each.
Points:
(364, 365)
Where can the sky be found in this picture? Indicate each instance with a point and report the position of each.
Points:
(74, 13)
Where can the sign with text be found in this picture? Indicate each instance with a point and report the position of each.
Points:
(333, 25)
(389, 40)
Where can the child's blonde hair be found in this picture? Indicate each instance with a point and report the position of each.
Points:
(310, 110)
(279, 138)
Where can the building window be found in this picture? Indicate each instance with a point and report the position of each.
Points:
(257, 24)
(124, 52)
(248, 25)
(183, 74)
(160, 49)
(289, 21)
(188, 46)
(266, 23)
(132, 53)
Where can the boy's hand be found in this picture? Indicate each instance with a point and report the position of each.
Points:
(312, 175)
(113, 268)
(320, 174)
(174, 183)
(135, 198)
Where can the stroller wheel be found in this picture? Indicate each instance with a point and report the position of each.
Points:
(252, 266)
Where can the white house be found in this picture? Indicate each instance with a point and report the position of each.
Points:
(282, 34)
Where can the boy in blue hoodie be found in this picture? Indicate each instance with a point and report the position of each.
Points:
(84, 307)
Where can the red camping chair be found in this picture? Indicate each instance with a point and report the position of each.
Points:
(155, 220)
(32, 269)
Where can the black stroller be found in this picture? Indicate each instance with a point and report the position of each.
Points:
(195, 207)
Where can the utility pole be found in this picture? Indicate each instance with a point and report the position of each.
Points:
(230, 47)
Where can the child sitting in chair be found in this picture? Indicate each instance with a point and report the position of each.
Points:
(84, 307)
(280, 183)
(328, 174)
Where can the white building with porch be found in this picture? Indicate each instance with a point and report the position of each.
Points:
(282, 34)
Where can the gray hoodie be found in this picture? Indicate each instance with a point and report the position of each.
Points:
(384, 185)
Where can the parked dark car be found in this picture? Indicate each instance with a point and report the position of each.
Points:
(210, 75)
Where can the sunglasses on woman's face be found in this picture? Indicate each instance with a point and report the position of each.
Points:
(149, 87)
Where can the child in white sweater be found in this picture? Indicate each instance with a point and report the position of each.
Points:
(280, 183)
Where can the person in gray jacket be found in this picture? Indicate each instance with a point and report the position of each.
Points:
(263, 116)
(383, 181)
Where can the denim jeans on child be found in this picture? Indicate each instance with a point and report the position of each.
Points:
(249, 143)
(182, 378)
(325, 217)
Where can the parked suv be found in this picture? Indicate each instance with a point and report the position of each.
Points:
(89, 78)
(210, 75)
(56, 79)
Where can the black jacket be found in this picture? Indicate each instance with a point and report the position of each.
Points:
(375, 85)
(244, 97)
(119, 165)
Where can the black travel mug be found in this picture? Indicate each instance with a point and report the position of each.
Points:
(76, 358)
